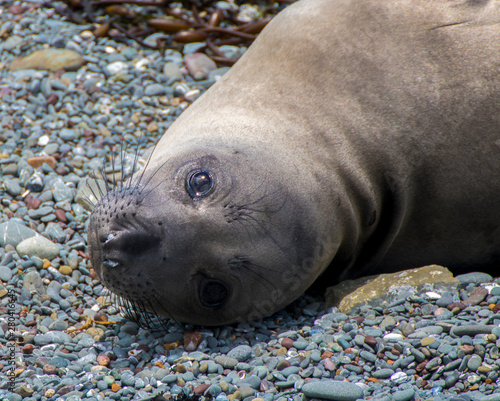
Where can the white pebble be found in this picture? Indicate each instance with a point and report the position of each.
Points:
(86, 35)
(193, 93)
(110, 50)
(399, 377)
(433, 295)
(141, 65)
(393, 337)
(490, 286)
(116, 67)
(43, 140)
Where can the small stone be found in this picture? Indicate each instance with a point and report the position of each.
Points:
(199, 65)
(38, 161)
(474, 278)
(49, 369)
(474, 363)
(200, 389)
(11, 43)
(5, 273)
(26, 391)
(38, 246)
(404, 395)
(115, 67)
(477, 295)
(333, 390)
(226, 362)
(371, 341)
(66, 270)
(155, 90)
(27, 349)
(191, 341)
(388, 323)
(383, 373)
(14, 233)
(240, 353)
(61, 215)
(470, 330)
(172, 71)
(287, 342)
(426, 341)
(49, 59)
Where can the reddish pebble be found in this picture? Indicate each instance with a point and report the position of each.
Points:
(199, 65)
(52, 99)
(17, 9)
(49, 369)
(85, 256)
(199, 390)
(66, 389)
(88, 134)
(329, 365)
(30, 323)
(326, 354)
(191, 341)
(371, 341)
(33, 203)
(100, 317)
(287, 342)
(467, 349)
(38, 161)
(421, 366)
(61, 215)
(27, 349)
(496, 308)
(477, 295)
(454, 305)
(103, 359)
(79, 310)
(3, 92)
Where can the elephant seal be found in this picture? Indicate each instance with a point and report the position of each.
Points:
(352, 137)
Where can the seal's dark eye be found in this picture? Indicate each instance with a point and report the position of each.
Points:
(199, 184)
(213, 293)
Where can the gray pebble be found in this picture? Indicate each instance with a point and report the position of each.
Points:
(470, 330)
(13, 233)
(383, 373)
(403, 395)
(474, 363)
(5, 273)
(33, 282)
(333, 390)
(475, 278)
(240, 353)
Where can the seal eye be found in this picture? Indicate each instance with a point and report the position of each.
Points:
(212, 293)
(199, 184)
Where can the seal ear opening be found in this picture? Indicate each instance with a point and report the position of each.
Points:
(212, 293)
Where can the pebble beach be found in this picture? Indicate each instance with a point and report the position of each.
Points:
(69, 99)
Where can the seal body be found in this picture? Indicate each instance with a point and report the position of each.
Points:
(353, 137)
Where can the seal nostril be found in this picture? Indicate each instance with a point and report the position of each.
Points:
(212, 293)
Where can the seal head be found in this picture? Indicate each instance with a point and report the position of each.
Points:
(202, 237)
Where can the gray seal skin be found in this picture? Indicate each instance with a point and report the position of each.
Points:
(353, 137)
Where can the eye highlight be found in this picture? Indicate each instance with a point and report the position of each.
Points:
(199, 183)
